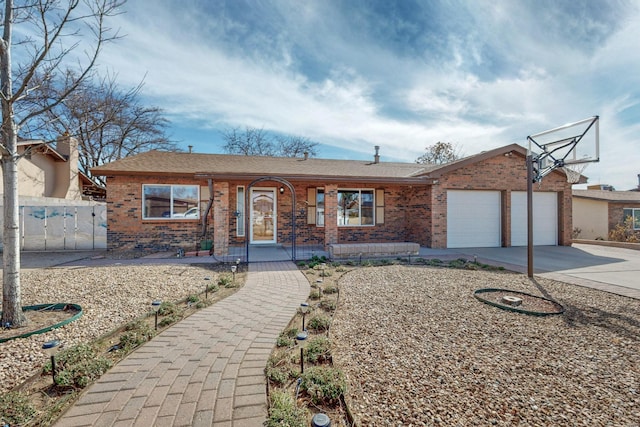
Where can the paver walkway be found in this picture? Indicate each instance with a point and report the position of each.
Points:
(206, 370)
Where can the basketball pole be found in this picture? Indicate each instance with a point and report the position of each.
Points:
(530, 215)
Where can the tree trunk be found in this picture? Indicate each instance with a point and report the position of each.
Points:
(11, 305)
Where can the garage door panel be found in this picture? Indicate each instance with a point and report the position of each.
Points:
(545, 218)
(473, 219)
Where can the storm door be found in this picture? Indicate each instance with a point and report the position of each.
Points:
(263, 215)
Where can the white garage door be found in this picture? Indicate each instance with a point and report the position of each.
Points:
(545, 218)
(473, 219)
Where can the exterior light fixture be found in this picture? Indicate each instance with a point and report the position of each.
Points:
(155, 306)
(234, 268)
(52, 348)
(304, 309)
(281, 189)
(301, 340)
(206, 288)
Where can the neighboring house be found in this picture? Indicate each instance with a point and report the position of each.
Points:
(59, 205)
(597, 212)
(478, 201)
(45, 171)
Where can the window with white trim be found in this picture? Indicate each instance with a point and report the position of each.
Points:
(320, 207)
(633, 213)
(170, 201)
(356, 207)
(239, 213)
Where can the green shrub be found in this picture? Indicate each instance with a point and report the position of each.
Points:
(314, 295)
(213, 288)
(192, 299)
(78, 366)
(16, 409)
(318, 350)
(324, 385)
(319, 323)
(283, 411)
(284, 340)
(136, 333)
(330, 289)
(169, 320)
(328, 305)
(225, 281)
(167, 308)
(292, 333)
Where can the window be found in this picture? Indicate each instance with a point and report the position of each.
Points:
(170, 201)
(239, 213)
(320, 207)
(633, 213)
(355, 207)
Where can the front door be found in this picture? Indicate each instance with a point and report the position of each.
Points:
(263, 215)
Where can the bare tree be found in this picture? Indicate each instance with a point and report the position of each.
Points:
(108, 123)
(256, 142)
(439, 153)
(295, 146)
(50, 32)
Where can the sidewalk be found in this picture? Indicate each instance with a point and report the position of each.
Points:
(206, 370)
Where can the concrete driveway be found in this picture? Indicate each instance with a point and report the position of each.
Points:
(612, 269)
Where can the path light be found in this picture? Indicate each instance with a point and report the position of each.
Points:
(155, 306)
(301, 340)
(234, 268)
(206, 288)
(320, 420)
(304, 309)
(52, 348)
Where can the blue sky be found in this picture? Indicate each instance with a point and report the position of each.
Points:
(399, 74)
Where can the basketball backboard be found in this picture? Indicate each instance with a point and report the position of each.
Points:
(575, 143)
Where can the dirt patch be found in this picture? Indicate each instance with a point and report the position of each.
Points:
(38, 320)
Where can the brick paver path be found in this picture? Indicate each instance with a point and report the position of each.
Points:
(206, 370)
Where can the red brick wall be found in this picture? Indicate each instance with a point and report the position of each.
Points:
(616, 212)
(414, 213)
(504, 174)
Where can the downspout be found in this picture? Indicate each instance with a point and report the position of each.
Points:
(206, 212)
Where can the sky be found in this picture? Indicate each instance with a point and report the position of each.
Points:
(402, 74)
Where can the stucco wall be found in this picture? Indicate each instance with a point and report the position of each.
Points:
(591, 217)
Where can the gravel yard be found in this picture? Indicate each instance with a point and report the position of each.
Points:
(419, 349)
(110, 297)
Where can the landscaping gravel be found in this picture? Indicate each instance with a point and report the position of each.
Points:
(110, 297)
(419, 349)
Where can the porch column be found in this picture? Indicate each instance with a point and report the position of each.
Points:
(330, 215)
(220, 218)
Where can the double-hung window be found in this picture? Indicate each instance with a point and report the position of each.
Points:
(170, 201)
(355, 207)
(634, 213)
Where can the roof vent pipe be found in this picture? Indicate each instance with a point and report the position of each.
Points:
(376, 157)
(190, 149)
(639, 181)
(306, 156)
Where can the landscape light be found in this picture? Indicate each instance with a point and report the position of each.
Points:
(52, 348)
(155, 306)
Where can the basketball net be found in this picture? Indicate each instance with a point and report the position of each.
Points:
(574, 172)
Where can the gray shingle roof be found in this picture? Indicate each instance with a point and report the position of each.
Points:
(159, 162)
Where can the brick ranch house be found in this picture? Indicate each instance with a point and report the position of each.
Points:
(165, 201)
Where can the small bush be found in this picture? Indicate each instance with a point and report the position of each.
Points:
(328, 305)
(314, 295)
(330, 289)
(78, 366)
(283, 411)
(277, 370)
(624, 232)
(167, 308)
(387, 262)
(225, 281)
(319, 323)
(318, 350)
(192, 299)
(324, 385)
(336, 265)
(213, 288)
(136, 333)
(169, 320)
(284, 340)
(292, 333)
(16, 409)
